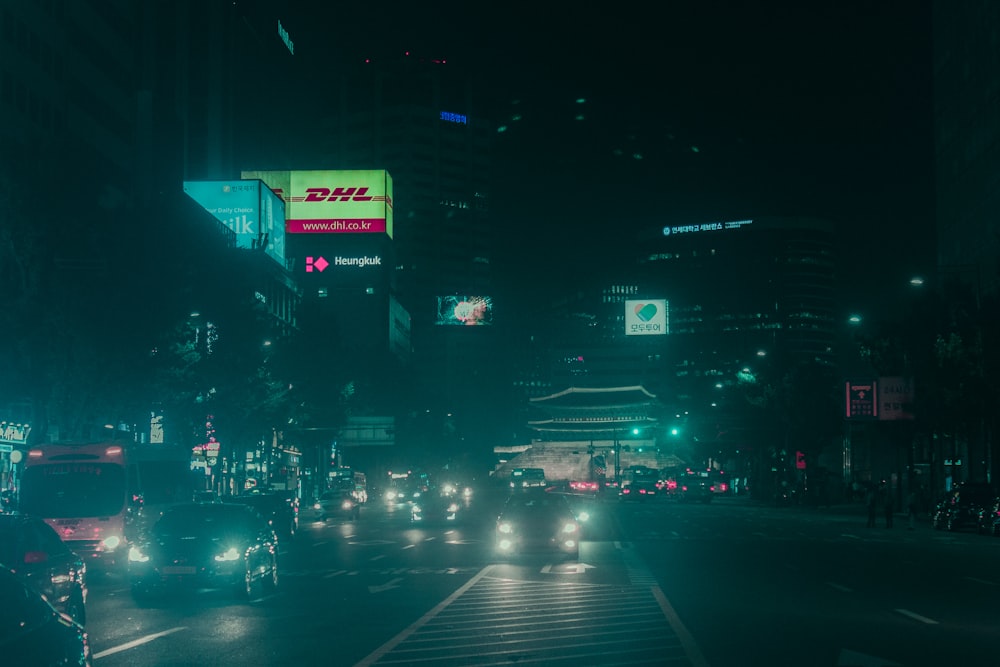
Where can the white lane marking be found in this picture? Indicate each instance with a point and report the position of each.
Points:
(977, 580)
(691, 649)
(423, 620)
(136, 642)
(328, 575)
(428, 539)
(379, 557)
(849, 535)
(318, 544)
(916, 617)
(842, 589)
(409, 546)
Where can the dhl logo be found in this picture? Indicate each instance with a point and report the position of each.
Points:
(355, 194)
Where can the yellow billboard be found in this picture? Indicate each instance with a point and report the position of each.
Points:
(323, 201)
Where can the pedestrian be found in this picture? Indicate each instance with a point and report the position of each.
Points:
(887, 507)
(912, 502)
(871, 501)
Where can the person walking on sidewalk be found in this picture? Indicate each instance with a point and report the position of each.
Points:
(871, 502)
(887, 507)
(912, 505)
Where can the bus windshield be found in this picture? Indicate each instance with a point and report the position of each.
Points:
(73, 490)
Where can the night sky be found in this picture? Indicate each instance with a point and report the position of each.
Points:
(737, 109)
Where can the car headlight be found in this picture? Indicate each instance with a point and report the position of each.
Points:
(583, 516)
(111, 543)
(317, 506)
(569, 527)
(467, 492)
(347, 504)
(136, 555)
(506, 527)
(229, 554)
(448, 489)
(453, 508)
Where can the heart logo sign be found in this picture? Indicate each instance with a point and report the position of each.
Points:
(645, 311)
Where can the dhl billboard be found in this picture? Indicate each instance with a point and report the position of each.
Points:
(323, 201)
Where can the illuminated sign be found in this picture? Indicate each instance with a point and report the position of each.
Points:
(861, 399)
(454, 117)
(14, 434)
(320, 264)
(286, 38)
(333, 202)
(705, 227)
(895, 398)
(465, 310)
(249, 208)
(647, 318)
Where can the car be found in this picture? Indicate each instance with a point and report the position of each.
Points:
(33, 632)
(537, 522)
(638, 490)
(338, 504)
(963, 507)
(690, 487)
(33, 550)
(436, 508)
(280, 512)
(205, 545)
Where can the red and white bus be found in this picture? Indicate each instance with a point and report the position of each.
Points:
(82, 491)
(97, 495)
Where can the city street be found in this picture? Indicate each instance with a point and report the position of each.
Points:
(657, 582)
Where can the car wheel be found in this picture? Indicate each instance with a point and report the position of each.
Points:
(76, 609)
(272, 582)
(246, 589)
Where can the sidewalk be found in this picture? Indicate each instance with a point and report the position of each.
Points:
(855, 512)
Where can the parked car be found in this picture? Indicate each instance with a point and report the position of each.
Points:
(206, 545)
(537, 521)
(962, 508)
(33, 632)
(281, 513)
(32, 549)
(989, 519)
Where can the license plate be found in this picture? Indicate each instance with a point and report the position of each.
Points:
(179, 569)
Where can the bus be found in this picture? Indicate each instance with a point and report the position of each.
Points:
(349, 481)
(98, 495)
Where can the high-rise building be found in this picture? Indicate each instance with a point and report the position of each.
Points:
(967, 140)
(426, 121)
(702, 304)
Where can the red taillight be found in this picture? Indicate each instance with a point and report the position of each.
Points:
(35, 454)
(723, 487)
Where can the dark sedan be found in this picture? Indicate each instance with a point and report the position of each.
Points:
(32, 632)
(34, 551)
(963, 507)
(436, 508)
(206, 545)
(537, 521)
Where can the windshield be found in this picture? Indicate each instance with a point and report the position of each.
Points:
(204, 521)
(73, 490)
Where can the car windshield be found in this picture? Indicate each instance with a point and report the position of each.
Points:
(205, 521)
